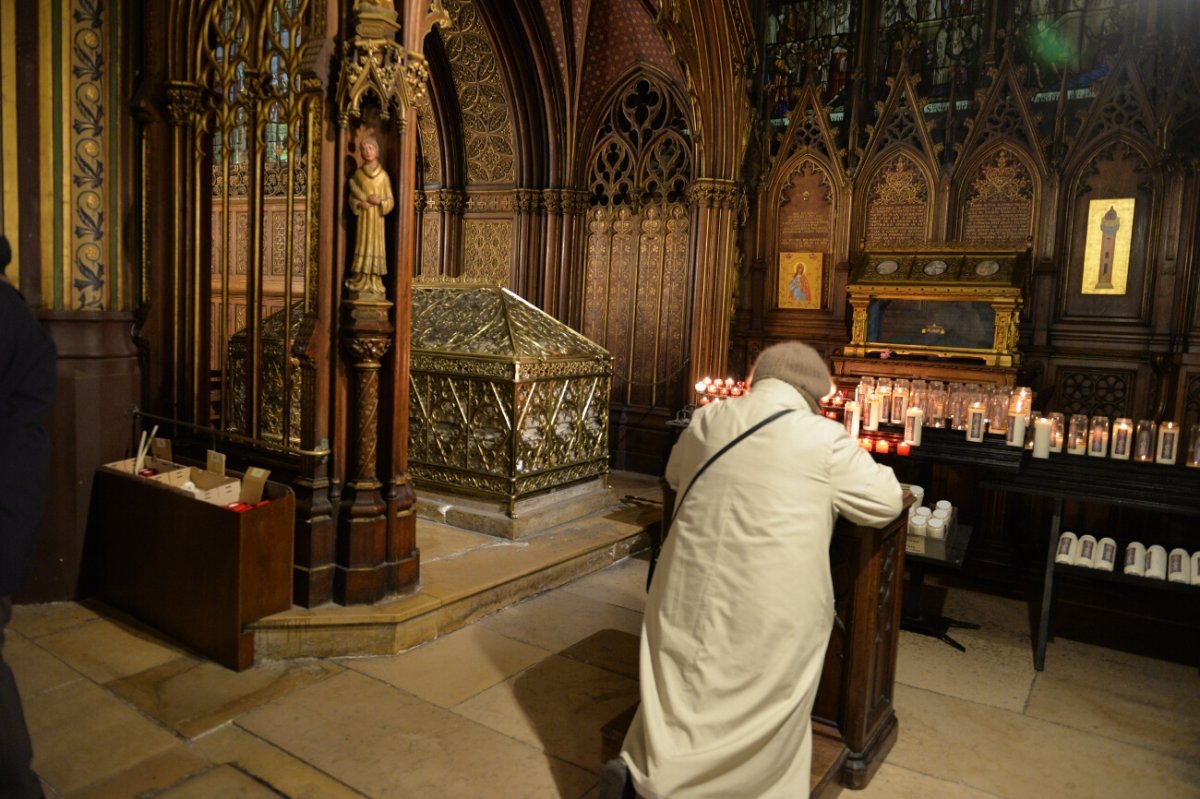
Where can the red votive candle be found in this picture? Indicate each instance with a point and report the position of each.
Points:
(903, 448)
(865, 443)
(881, 446)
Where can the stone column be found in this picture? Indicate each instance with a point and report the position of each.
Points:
(715, 204)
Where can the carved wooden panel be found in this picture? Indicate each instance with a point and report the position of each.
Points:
(431, 144)
(1095, 392)
(1191, 399)
(431, 250)
(636, 268)
(1118, 171)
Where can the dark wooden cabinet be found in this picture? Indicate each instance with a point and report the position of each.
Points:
(854, 707)
(198, 572)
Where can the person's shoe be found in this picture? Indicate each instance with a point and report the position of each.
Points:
(615, 781)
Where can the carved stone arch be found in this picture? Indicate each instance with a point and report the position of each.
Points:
(1121, 106)
(996, 195)
(901, 122)
(665, 168)
(895, 198)
(1116, 166)
(1004, 114)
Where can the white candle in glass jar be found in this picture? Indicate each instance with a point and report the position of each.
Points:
(1168, 443)
(874, 408)
(975, 421)
(1014, 435)
(853, 417)
(1057, 431)
(1043, 430)
(1098, 437)
(1077, 435)
(914, 420)
(1144, 441)
(1122, 439)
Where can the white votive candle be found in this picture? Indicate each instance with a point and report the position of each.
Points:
(1122, 439)
(935, 528)
(1098, 437)
(874, 409)
(1043, 430)
(1179, 566)
(1087, 551)
(1196, 568)
(1068, 549)
(1057, 431)
(1077, 435)
(853, 418)
(1156, 562)
(914, 420)
(1106, 554)
(1014, 436)
(1168, 443)
(1135, 559)
(975, 419)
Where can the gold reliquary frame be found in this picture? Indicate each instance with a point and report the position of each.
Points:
(948, 302)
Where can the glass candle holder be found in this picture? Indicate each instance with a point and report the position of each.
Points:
(1193, 450)
(937, 411)
(899, 402)
(852, 417)
(1098, 437)
(1021, 401)
(1122, 439)
(1015, 430)
(874, 408)
(1058, 431)
(998, 411)
(1168, 443)
(1077, 435)
(883, 389)
(1144, 441)
(975, 421)
(865, 387)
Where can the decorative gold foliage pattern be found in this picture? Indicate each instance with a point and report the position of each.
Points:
(487, 121)
(88, 226)
(900, 183)
(431, 143)
(431, 240)
(487, 250)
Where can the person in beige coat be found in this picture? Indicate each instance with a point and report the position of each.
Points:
(740, 608)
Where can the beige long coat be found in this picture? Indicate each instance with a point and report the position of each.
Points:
(741, 606)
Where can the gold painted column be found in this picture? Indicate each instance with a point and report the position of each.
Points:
(715, 206)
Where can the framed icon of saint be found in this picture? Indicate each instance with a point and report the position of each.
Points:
(801, 279)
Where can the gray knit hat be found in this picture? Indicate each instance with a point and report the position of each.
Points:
(798, 365)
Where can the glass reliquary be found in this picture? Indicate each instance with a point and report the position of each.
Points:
(947, 303)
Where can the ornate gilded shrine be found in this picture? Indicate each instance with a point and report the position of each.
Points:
(957, 303)
(281, 392)
(505, 400)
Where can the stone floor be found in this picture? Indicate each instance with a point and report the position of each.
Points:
(511, 706)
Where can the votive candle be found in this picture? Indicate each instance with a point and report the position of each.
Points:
(1122, 439)
(914, 420)
(874, 411)
(1168, 443)
(852, 418)
(1143, 441)
(1057, 431)
(903, 448)
(1193, 450)
(1098, 437)
(882, 447)
(1015, 434)
(1077, 435)
(975, 417)
(1043, 430)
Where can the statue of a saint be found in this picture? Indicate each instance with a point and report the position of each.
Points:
(370, 199)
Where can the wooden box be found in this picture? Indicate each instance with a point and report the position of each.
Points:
(196, 571)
